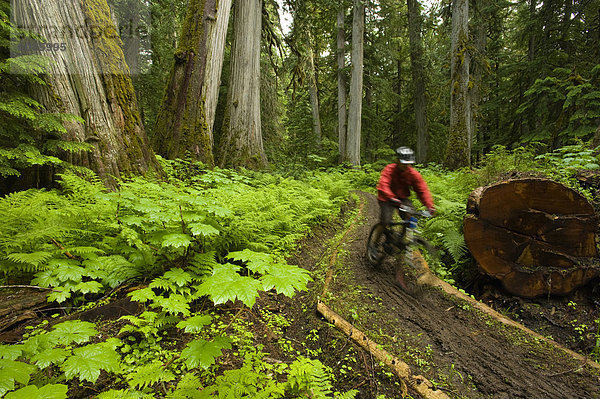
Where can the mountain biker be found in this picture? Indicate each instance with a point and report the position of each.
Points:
(394, 187)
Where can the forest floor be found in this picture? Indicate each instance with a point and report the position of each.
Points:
(461, 350)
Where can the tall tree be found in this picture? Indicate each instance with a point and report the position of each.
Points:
(478, 66)
(418, 75)
(90, 79)
(458, 152)
(341, 81)
(241, 142)
(356, 84)
(183, 124)
(314, 93)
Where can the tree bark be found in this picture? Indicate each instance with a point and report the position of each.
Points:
(418, 74)
(241, 144)
(458, 152)
(90, 79)
(535, 235)
(356, 85)
(341, 83)
(478, 64)
(182, 127)
(217, 33)
(314, 94)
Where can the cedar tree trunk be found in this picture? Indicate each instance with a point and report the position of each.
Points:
(241, 143)
(356, 85)
(90, 79)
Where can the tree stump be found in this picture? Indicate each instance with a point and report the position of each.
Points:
(535, 235)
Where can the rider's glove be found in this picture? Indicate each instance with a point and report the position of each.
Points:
(429, 212)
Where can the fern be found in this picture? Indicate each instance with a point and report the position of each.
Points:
(149, 374)
(309, 377)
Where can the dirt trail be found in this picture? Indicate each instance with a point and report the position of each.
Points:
(466, 353)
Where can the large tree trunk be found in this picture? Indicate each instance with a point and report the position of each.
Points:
(241, 142)
(418, 74)
(314, 94)
(217, 33)
(356, 85)
(535, 235)
(478, 65)
(341, 82)
(458, 153)
(90, 79)
(182, 126)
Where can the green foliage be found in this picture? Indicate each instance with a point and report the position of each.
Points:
(149, 374)
(567, 103)
(29, 136)
(50, 391)
(202, 353)
(87, 361)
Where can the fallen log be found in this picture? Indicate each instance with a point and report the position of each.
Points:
(535, 235)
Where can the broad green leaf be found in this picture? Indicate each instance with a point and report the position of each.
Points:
(89, 286)
(10, 352)
(74, 273)
(226, 284)
(12, 371)
(202, 353)
(142, 295)
(50, 356)
(176, 240)
(87, 362)
(258, 262)
(205, 230)
(178, 276)
(50, 391)
(195, 324)
(45, 279)
(59, 295)
(76, 331)
(174, 304)
(286, 279)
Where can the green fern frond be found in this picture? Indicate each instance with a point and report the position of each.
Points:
(149, 374)
(35, 259)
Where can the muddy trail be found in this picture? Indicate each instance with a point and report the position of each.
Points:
(462, 351)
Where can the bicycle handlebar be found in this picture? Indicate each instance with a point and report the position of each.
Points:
(412, 211)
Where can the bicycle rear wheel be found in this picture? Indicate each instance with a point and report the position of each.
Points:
(375, 250)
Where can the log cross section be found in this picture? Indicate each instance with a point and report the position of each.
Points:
(537, 236)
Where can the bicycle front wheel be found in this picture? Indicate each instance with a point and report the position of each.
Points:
(375, 250)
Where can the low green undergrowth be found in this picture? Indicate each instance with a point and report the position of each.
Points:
(216, 237)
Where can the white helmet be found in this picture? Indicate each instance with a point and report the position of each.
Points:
(405, 155)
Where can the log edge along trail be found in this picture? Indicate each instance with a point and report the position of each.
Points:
(463, 347)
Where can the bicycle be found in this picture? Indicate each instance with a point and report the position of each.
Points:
(395, 238)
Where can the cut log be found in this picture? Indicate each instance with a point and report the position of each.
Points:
(535, 235)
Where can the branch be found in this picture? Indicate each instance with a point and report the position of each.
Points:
(29, 286)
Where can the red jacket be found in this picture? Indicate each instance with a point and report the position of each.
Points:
(396, 184)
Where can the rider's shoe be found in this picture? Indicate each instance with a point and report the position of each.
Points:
(400, 280)
(373, 254)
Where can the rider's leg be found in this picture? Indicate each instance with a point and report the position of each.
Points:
(386, 214)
